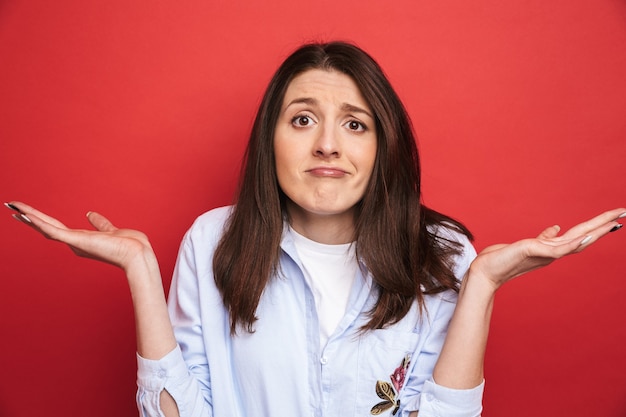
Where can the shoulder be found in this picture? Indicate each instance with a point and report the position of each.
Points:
(208, 227)
(215, 217)
(449, 232)
(448, 235)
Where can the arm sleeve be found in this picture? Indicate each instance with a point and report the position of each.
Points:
(421, 392)
(184, 371)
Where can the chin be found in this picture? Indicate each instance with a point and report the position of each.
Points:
(331, 210)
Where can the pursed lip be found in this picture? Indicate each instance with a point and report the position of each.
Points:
(331, 172)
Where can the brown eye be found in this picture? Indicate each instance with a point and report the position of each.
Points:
(355, 126)
(301, 121)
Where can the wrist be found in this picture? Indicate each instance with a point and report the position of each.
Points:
(477, 284)
(143, 269)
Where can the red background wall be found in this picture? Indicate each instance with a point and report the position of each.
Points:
(140, 110)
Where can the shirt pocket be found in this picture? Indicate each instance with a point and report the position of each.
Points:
(383, 363)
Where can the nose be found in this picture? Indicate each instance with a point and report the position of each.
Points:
(327, 143)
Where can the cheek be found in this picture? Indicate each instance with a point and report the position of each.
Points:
(367, 159)
(284, 160)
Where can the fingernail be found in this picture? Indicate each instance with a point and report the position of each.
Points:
(616, 228)
(11, 206)
(585, 240)
(621, 216)
(22, 218)
(88, 213)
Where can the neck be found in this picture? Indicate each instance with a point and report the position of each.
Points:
(330, 229)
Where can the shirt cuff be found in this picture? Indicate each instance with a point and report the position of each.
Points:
(439, 401)
(152, 374)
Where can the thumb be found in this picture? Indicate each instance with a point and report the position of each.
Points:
(100, 222)
(550, 232)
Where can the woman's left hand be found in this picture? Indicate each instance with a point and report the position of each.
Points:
(503, 262)
(460, 364)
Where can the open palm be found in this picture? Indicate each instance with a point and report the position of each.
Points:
(504, 262)
(107, 243)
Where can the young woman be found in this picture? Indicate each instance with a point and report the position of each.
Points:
(328, 289)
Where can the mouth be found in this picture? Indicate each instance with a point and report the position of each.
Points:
(327, 172)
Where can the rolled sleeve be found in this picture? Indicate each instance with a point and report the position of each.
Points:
(169, 373)
(153, 374)
(440, 401)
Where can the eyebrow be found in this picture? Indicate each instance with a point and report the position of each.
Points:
(347, 107)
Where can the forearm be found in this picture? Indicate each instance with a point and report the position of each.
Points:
(460, 365)
(155, 337)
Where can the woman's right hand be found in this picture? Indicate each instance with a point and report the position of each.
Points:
(127, 249)
(124, 248)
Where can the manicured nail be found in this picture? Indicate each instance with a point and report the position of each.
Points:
(11, 206)
(616, 228)
(621, 216)
(585, 240)
(22, 218)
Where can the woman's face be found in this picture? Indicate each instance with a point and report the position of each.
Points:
(324, 145)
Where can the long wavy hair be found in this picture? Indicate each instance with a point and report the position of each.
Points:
(393, 233)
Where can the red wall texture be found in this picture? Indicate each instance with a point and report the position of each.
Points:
(140, 110)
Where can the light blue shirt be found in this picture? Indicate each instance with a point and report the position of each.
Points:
(280, 369)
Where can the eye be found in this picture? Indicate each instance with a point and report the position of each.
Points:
(355, 126)
(302, 121)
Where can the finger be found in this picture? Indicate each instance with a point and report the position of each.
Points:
(21, 217)
(597, 234)
(48, 230)
(28, 211)
(545, 252)
(100, 222)
(550, 233)
(82, 242)
(578, 244)
(585, 228)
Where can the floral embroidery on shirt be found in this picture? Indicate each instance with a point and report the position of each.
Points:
(388, 392)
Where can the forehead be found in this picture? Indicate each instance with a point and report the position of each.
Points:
(324, 85)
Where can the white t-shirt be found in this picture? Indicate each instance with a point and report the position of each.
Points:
(330, 271)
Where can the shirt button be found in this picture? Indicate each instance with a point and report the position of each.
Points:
(323, 360)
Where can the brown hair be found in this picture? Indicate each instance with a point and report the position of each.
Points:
(405, 258)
